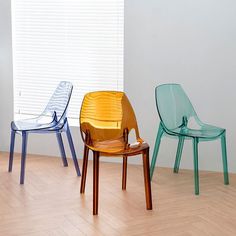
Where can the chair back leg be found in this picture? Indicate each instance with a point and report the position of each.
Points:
(84, 169)
(224, 159)
(11, 155)
(23, 156)
(124, 173)
(156, 149)
(62, 149)
(195, 163)
(95, 181)
(147, 180)
(72, 148)
(179, 154)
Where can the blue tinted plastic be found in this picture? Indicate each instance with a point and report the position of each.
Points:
(52, 119)
(54, 113)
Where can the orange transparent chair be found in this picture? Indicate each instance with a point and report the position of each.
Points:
(106, 119)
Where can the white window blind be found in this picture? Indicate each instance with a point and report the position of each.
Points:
(75, 40)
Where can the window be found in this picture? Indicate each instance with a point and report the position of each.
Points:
(75, 40)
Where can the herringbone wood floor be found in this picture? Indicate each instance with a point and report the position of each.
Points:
(50, 203)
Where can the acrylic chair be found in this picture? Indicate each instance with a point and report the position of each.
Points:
(178, 118)
(106, 119)
(52, 120)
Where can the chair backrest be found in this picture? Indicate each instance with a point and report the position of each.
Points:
(106, 114)
(173, 105)
(59, 101)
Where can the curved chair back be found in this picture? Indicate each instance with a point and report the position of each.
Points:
(59, 101)
(173, 105)
(106, 115)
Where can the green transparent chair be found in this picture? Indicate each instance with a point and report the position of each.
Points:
(179, 119)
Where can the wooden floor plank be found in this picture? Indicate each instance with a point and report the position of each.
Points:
(49, 203)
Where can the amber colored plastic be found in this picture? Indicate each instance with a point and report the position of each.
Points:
(104, 117)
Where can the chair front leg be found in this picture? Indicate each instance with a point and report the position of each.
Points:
(124, 173)
(84, 169)
(12, 145)
(147, 180)
(72, 148)
(156, 149)
(23, 156)
(95, 181)
(224, 159)
(62, 149)
(179, 154)
(195, 162)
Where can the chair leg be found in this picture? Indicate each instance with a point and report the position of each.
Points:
(72, 148)
(179, 154)
(224, 158)
(156, 149)
(62, 149)
(124, 173)
(84, 169)
(147, 180)
(12, 145)
(95, 181)
(23, 156)
(195, 158)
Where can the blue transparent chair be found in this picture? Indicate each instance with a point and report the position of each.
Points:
(179, 119)
(52, 119)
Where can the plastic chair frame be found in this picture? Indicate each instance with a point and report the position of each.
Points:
(55, 126)
(182, 137)
(142, 149)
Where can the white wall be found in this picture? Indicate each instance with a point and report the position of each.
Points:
(6, 82)
(187, 42)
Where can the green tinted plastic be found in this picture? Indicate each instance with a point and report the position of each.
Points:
(179, 119)
(173, 105)
(178, 115)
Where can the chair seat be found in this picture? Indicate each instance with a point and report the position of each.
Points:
(38, 123)
(204, 132)
(117, 147)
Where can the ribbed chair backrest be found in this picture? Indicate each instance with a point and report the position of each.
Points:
(59, 101)
(106, 114)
